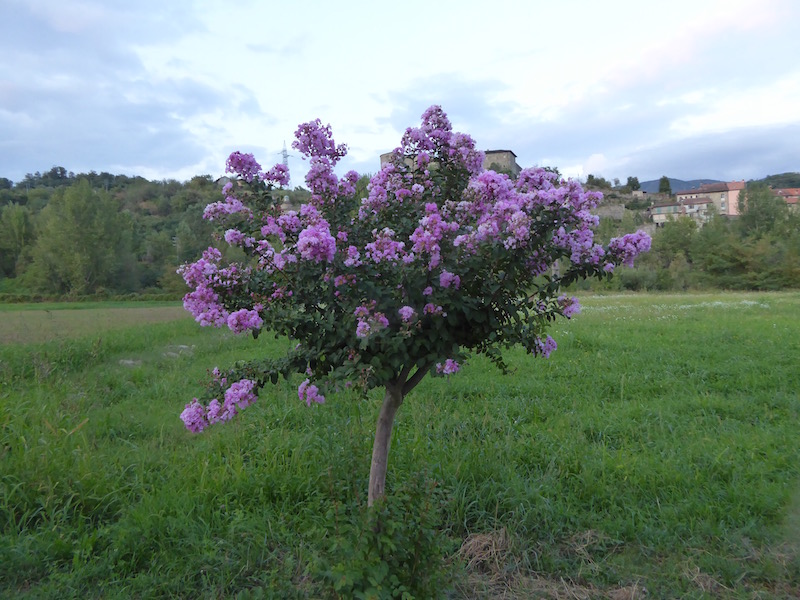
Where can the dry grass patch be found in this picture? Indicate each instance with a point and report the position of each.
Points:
(493, 573)
(44, 325)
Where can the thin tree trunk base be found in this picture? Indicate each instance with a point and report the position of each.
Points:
(383, 440)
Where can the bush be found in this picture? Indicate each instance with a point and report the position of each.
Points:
(395, 549)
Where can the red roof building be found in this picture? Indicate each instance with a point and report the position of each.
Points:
(791, 195)
(724, 196)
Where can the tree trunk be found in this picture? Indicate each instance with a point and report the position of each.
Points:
(383, 439)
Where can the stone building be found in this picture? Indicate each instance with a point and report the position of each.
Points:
(498, 160)
(502, 160)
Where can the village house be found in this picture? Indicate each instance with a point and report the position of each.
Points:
(791, 196)
(697, 209)
(700, 203)
(724, 196)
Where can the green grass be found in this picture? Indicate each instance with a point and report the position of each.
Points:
(658, 448)
(64, 321)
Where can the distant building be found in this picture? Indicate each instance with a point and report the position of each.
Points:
(386, 157)
(499, 160)
(502, 160)
(697, 209)
(791, 195)
(724, 196)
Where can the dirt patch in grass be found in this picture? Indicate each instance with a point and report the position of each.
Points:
(26, 326)
(492, 574)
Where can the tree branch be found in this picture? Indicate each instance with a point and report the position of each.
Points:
(418, 376)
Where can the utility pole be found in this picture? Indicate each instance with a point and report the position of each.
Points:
(285, 155)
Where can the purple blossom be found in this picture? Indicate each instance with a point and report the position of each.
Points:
(240, 394)
(276, 261)
(217, 412)
(243, 320)
(280, 292)
(384, 248)
(310, 214)
(203, 302)
(347, 185)
(353, 257)
(244, 165)
(341, 280)
(544, 347)
(309, 393)
(231, 206)
(430, 232)
(289, 222)
(450, 366)
(219, 378)
(198, 273)
(569, 305)
(406, 313)
(316, 243)
(463, 148)
(194, 416)
(234, 237)
(390, 177)
(369, 322)
(433, 309)
(316, 140)
(321, 179)
(363, 329)
(535, 179)
(278, 174)
(362, 312)
(446, 279)
(629, 246)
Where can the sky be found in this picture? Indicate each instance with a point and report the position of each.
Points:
(168, 89)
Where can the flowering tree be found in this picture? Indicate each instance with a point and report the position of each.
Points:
(439, 260)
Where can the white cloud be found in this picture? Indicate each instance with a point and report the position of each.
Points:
(166, 88)
(766, 105)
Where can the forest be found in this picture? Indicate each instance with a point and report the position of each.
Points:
(64, 235)
(67, 236)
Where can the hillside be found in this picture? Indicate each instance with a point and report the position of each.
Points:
(676, 185)
(784, 180)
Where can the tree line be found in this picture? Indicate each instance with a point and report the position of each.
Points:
(759, 250)
(68, 235)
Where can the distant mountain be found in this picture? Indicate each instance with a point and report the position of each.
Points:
(676, 185)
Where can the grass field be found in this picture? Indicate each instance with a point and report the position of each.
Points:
(656, 454)
(27, 323)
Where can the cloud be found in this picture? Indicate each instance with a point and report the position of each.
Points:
(745, 153)
(81, 97)
(167, 90)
